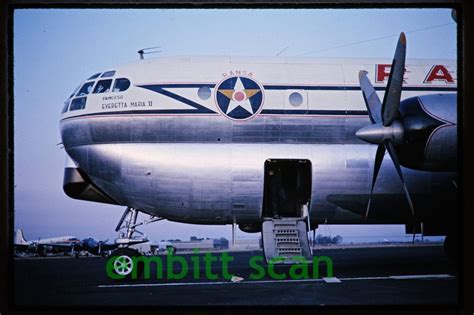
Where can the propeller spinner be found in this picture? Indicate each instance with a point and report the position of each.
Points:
(385, 130)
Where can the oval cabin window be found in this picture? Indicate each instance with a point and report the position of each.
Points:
(296, 99)
(204, 92)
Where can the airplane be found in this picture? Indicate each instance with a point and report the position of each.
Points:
(95, 247)
(275, 145)
(42, 247)
(61, 244)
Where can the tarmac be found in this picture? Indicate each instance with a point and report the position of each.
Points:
(389, 275)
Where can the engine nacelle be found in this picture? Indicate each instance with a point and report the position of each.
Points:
(430, 132)
(251, 228)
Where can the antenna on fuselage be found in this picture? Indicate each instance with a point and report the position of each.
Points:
(281, 51)
(148, 50)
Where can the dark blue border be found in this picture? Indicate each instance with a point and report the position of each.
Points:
(158, 87)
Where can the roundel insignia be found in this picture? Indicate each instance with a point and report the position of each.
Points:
(239, 97)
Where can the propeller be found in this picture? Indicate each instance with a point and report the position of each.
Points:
(385, 130)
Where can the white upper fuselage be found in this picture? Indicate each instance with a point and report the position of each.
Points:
(324, 84)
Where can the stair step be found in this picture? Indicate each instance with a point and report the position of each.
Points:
(282, 232)
(285, 226)
(290, 246)
(285, 238)
(289, 250)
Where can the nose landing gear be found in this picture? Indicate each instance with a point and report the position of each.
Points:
(124, 257)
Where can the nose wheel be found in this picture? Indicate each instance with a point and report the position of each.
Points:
(125, 263)
(124, 258)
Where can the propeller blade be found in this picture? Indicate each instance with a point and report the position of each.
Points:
(155, 47)
(378, 162)
(393, 155)
(372, 101)
(393, 92)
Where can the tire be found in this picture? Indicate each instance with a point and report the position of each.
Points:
(123, 263)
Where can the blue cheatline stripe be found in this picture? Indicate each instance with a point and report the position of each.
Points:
(315, 112)
(143, 112)
(355, 88)
(198, 113)
(158, 87)
(199, 108)
(180, 85)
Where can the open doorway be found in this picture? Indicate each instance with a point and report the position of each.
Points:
(287, 187)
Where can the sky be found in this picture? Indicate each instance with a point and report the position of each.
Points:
(56, 49)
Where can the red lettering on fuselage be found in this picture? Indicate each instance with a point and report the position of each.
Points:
(382, 73)
(439, 73)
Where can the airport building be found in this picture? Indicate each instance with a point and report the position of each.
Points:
(247, 244)
(201, 245)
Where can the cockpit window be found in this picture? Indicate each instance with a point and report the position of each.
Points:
(74, 92)
(108, 74)
(121, 85)
(94, 76)
(103, 86)
(85, 89)
(66, 105)
(78, 103)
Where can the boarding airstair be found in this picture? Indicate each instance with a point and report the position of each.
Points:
(285, 240)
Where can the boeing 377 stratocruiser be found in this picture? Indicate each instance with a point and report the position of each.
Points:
(277, 145)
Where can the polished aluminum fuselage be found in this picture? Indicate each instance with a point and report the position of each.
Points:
(197, 166)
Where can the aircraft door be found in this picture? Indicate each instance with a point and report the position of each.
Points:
(287, 187)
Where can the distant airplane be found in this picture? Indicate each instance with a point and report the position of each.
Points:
(95, 247)
(42, 247)
(275, 145)
(61, 244)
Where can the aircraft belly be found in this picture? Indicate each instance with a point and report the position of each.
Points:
(223, 182)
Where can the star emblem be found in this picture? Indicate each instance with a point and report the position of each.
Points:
(239, 97)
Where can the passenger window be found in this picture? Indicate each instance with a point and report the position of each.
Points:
(103, 86)
(94, 76)
(108, 74)
(121, 85)
(78, 103)
(204, 92)
(85, 89)
(296, 99)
